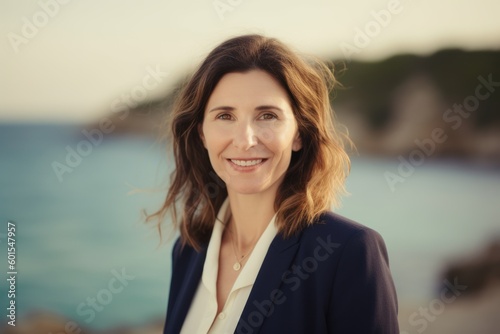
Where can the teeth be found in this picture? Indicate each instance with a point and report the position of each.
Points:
(245, 163)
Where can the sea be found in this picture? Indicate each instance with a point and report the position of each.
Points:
(84, 252)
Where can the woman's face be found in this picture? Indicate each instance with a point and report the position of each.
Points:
(250, 131)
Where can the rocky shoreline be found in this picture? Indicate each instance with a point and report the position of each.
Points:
(43, 322)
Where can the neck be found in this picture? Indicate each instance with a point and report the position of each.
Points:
(250, 216)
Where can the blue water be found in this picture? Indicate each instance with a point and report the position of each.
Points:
(73, 235)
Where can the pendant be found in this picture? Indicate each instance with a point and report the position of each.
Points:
(237, 266)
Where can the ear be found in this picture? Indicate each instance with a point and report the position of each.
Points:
(297, 143)
(202, 136)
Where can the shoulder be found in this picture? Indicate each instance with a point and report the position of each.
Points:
(342, 228)
(353, 259)
(332, 228)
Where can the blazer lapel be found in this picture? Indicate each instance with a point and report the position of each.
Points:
(276, 263)
(186, 293)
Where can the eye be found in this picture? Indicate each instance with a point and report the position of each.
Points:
(225, 116)
(268, 116)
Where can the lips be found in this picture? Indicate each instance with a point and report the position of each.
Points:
(246, 163)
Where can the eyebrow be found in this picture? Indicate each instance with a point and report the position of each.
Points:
(224, 108)
(259, 108)
(267, 107)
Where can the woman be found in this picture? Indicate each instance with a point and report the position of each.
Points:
(258, 165)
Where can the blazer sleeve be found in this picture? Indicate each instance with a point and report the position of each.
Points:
(363, 298)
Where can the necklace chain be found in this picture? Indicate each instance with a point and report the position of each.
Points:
(237, 265)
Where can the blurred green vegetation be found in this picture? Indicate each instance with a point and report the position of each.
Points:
(454, 72)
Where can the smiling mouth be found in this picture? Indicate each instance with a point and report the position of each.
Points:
(247, 163)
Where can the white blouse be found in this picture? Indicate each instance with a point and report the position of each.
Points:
(202, 317)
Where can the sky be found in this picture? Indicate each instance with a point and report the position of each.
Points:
(78, 60)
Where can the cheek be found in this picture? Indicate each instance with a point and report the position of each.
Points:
(216, 131)
(214, 136)
(216, 142)
(274, 133)
(280, 141)
(267, 132)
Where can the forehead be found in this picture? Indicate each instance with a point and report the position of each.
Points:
(255, 86)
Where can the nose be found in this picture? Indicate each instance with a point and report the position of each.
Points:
(245, 136)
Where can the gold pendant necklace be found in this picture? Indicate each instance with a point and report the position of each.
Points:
(237, 265)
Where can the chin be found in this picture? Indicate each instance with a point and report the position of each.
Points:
(246, 188)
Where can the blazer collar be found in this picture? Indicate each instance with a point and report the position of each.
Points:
(275, 264)
(277, 261)
(180, 306)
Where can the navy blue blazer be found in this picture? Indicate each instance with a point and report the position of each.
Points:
(333, 277)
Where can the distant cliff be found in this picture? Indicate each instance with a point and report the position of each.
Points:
(392, 106)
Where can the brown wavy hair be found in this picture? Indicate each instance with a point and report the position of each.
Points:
(315, 178)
